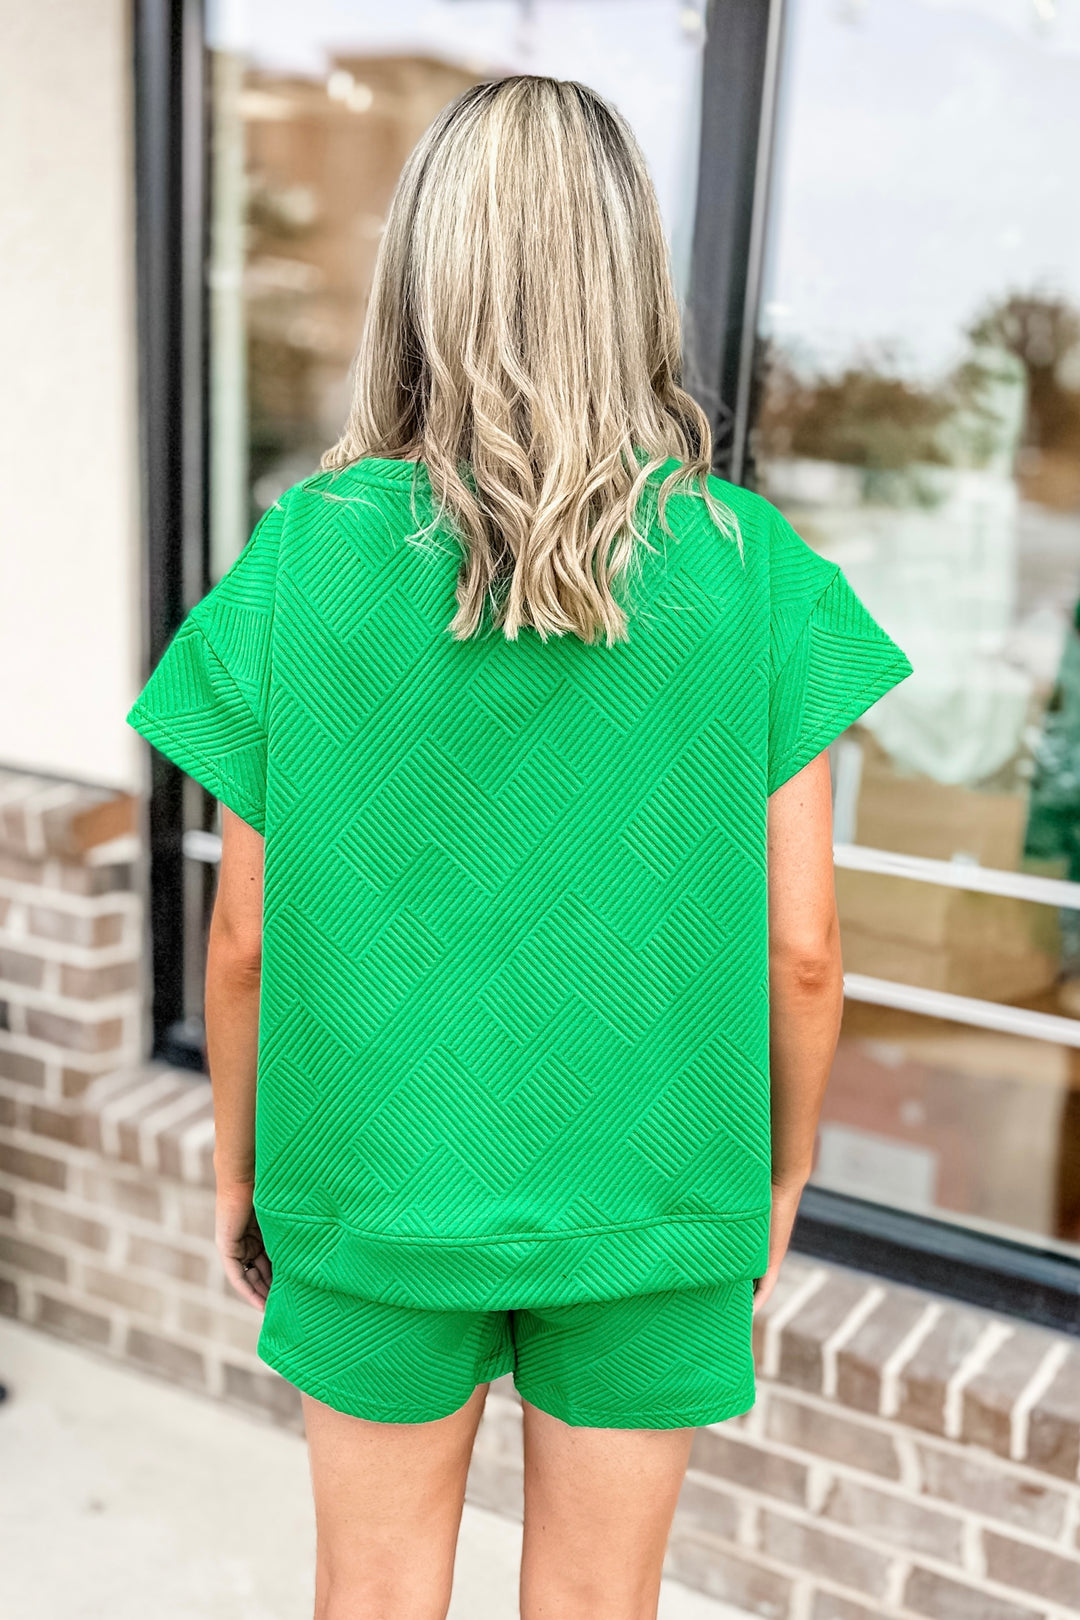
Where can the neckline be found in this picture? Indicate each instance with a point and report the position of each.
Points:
(399, 470)
(386, 469)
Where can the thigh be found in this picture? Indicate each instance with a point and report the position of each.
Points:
(598, 1510)
(388, 1501)
(613, 1391)
(392, 1400)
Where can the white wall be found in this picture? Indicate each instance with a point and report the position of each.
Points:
(69, 547)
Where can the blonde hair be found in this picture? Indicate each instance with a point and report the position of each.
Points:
(522, 341)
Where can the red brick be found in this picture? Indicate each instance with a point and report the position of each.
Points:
(1054, 1424)
(132, 1147)
(803, 1337)
(63, 1223)
(21, 1067)
(238, 1332)
(940, 1598)
(794, 1274)
(1032, 1569)
(196, 1214)
(811, 1549)
(20, 870)
(860, 1361)
(895, 1519)
(830, 1606)
(18, 968)
(40, 1167)
(170, 1142)
(972, 1481)
(166, 1356)
(704, 1508)
(721, 1573)
(74, 928)
(13, 828)
(20, 1255)
(95, 880)
(721, 1454)
(130, 1195)
(923, 1379)
(74, 1082)
(265, 1392)
(830, 1434)
(88, 984)
(128, 1292)
(990, 1397)
(59, 1316)
(92, 819)
(166, 1260)
(66, 1127)
(75, 1034)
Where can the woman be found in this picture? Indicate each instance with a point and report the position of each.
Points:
(530, 888)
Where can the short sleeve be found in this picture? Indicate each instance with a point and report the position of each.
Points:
(830, 660)
(205, 705)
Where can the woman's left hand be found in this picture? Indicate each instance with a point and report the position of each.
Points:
(240, 1243)
(785, 1207)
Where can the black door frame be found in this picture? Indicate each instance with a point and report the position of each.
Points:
(170, 140)
(743, 60)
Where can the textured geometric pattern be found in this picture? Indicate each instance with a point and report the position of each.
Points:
(654, 1361)
(514, 1035)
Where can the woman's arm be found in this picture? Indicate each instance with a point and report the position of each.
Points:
(806, 988)
(233, 975)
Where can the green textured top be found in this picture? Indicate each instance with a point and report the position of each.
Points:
(513, 1032)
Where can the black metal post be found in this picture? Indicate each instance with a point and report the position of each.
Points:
(169, 213)
(740, 75)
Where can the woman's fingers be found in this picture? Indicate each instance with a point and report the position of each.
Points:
(765, 1286)
(260, 1270)
(248, 1284)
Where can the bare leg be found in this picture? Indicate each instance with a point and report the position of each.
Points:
(598, 1510)
(388, 1500)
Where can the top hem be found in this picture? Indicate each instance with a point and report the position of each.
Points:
(511, 1272)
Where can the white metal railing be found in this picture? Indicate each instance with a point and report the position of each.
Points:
(959, 874)
(202, 846)
(1035, 1026)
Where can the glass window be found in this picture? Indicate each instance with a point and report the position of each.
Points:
(314, 110)
(920, 423)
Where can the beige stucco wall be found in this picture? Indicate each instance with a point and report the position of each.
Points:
(69, 554)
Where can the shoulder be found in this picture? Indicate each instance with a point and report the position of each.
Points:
(767, 533)
(797, 572)
(371, 481)
(756, 516)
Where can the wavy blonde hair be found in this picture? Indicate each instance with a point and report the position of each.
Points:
(522, 341)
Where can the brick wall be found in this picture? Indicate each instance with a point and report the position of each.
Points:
(907, 1457)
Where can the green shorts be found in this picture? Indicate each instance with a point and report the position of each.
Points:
(656, 1361)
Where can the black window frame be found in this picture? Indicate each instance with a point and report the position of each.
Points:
(741, 83)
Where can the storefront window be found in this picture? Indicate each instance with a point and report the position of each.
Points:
(315, 108)
(919, 422)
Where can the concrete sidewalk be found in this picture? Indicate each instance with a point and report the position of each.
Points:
(122, 1498)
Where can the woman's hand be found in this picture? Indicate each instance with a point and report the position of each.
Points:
(239, 1243)
(785, 1205)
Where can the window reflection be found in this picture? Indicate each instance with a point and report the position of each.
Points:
(314, 111)
(920, 424)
